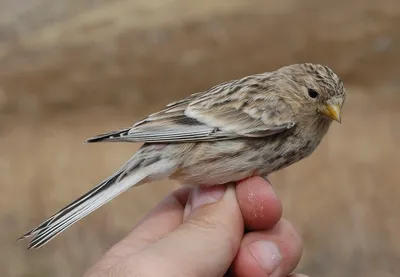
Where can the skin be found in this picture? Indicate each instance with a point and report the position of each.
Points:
(195, 232)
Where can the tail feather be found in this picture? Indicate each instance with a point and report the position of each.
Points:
(95, 198)
(145, 165)
(63, 212)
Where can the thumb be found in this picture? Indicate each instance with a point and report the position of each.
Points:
(208, 240)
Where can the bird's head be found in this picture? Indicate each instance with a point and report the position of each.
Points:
(316, 88)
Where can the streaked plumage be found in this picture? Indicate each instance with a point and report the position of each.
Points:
(251, 126)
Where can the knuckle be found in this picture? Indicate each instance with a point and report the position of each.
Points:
(212, 227)
(207, 222)
(290, 229)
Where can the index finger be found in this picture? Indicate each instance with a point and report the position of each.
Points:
(260, 207)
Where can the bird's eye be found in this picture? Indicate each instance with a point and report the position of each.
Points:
(312, 93)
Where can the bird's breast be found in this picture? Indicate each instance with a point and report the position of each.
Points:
(222, 162)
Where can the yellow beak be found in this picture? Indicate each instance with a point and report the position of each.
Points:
(332, 111)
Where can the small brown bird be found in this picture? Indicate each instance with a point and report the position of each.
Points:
(246, 127)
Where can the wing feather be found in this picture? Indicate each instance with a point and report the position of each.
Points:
(234, 109)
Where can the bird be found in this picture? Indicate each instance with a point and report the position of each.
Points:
(252, 126)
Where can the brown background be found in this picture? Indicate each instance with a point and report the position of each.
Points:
(70, 69)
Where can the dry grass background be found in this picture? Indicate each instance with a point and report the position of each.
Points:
(71, 69)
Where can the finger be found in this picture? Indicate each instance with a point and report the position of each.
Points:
(260, 207)
(272, 253)
(204, 245)
(164, 218)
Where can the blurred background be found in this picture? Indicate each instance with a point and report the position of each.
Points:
(70, 69)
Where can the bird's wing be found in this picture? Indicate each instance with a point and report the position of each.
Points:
(240, 108)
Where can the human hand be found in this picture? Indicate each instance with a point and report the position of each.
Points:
(200, 232)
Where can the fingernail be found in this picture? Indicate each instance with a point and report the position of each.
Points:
(267, 255)
(206, 195)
